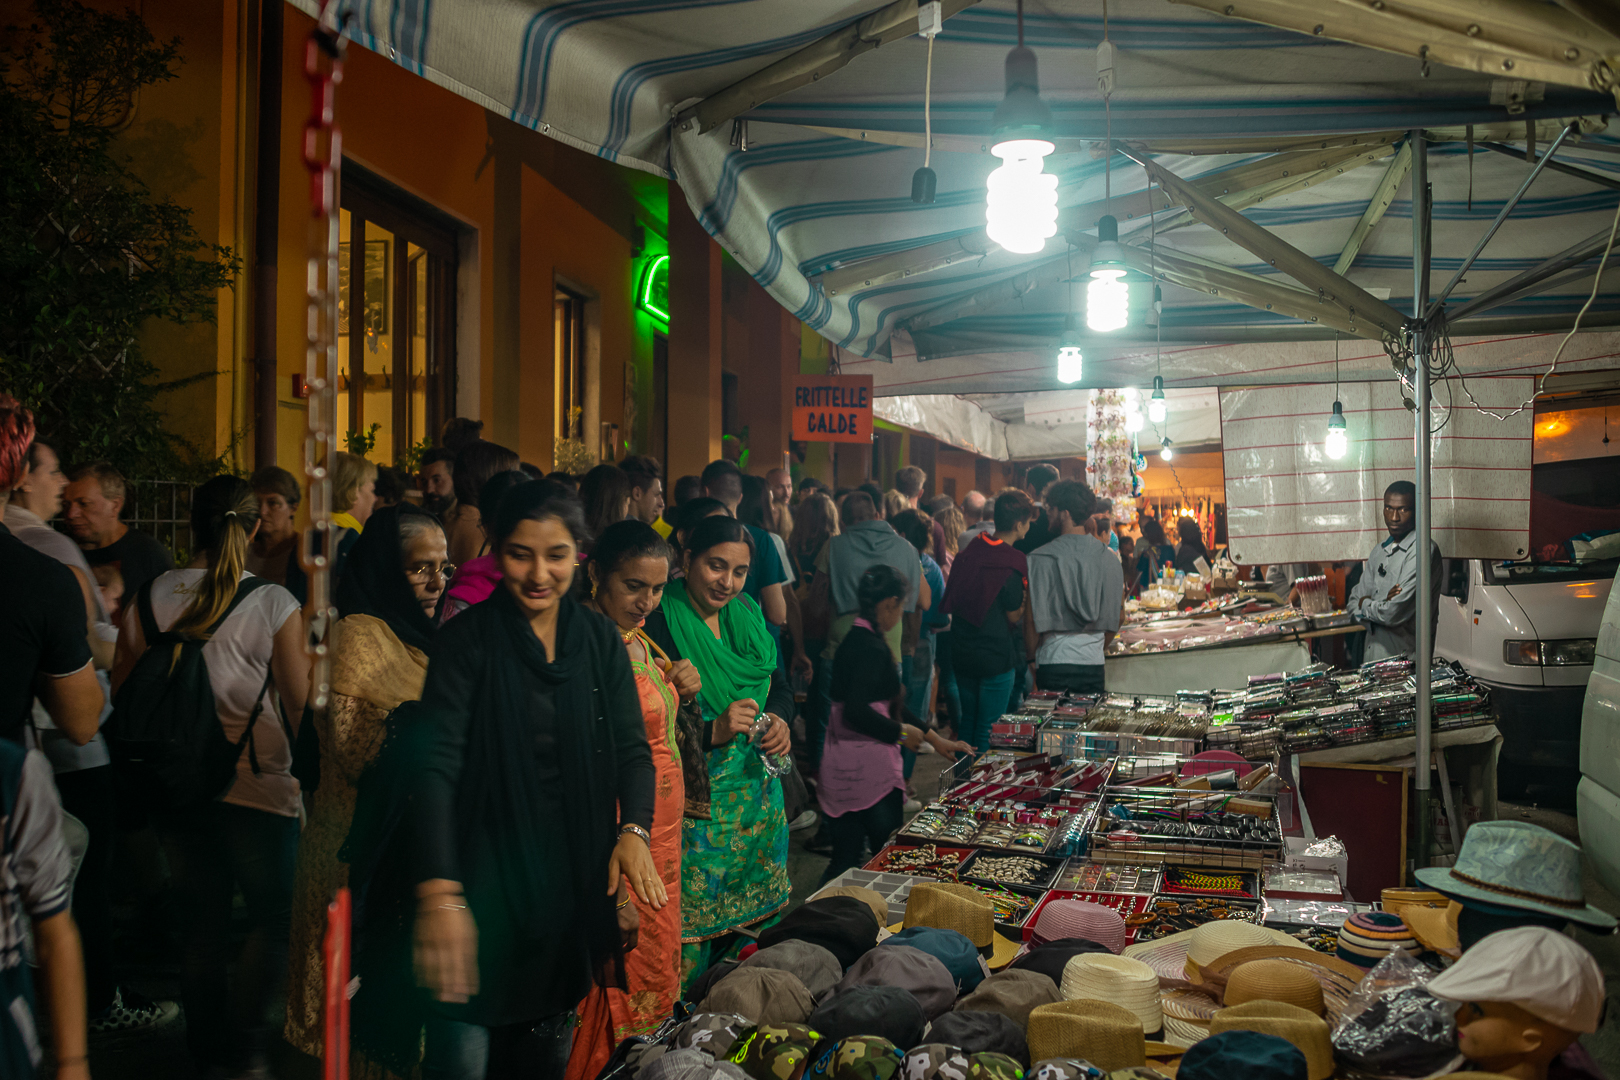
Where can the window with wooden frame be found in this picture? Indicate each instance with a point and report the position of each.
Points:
(568, 315)
(396, 318)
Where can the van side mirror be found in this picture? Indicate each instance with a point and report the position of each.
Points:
(1456, 580)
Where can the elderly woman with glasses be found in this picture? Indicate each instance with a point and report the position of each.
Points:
(394, 578)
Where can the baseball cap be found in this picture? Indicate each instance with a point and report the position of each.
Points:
(1252, 1055)
(981, 1033)
(910, 969)
(812, 964)
(868, 1010)
(1012, 993)
(690, 1065)
(842, 925)
(951, 948)
(765, 995)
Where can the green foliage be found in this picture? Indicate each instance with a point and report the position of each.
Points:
(361, 443)
(411, 458)
(88, 253)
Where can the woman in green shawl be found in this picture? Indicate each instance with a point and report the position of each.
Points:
(734, 851)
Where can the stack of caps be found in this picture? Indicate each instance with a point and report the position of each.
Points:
(1367, 938)
(1130, 984)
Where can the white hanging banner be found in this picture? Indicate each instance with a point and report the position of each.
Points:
(1287, 501)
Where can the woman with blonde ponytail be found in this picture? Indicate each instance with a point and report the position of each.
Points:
(248, 837)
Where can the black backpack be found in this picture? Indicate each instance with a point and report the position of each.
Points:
(168, 747)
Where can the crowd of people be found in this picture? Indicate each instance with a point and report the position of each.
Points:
(571, 726)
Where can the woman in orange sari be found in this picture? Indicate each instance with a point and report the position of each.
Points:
(628, 568)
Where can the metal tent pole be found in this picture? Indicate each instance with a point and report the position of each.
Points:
(1421, 346)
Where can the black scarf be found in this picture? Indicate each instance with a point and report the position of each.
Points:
(374, 581)
(499, 794)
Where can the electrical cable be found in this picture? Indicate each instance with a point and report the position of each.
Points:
(928, 86)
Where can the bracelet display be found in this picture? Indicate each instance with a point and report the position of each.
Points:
(639, 831)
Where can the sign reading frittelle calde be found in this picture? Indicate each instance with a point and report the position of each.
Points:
(832, 408)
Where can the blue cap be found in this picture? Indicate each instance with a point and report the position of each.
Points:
(1249, 1054)
(955, 950)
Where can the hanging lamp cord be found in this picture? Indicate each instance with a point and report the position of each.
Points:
(928, 87)
(1108, 134)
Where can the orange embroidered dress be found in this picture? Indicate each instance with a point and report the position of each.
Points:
(653, 968)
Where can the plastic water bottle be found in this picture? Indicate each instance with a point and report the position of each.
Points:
(775, 764)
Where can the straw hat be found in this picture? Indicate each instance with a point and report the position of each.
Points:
(1431, 915)
(1082, 919)
(1170, 956)
(1108, 1036)
(1337, 978)
(1186, 1016)
(1130, 984)
(869, 897)
(947, 906)
(1310, 1033)
(1274, 980)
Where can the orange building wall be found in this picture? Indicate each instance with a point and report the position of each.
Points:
(562, 241)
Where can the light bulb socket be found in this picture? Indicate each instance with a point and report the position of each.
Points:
(923, 185)
(1336, 420)
(1158, 388)
(1108, 255)
(1164, 444)
(1022, 113)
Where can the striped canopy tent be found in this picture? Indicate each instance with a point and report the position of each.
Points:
(793, 129)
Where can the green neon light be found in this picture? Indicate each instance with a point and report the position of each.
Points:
(653, 296)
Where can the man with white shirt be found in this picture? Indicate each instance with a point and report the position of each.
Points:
(1075, 598)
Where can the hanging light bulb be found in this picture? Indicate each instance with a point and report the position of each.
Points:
(1069, 358)
(1107, 297)
(1021, 211)
(1338, 438)
(1165, 453)
(1156, 410)
(1133, 419)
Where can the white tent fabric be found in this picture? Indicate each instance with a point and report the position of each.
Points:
(1287, 501)
(1025, 427)
(821, 190)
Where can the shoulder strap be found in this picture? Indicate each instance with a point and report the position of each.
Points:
(253, 717)
(143, 605)
(244, 589)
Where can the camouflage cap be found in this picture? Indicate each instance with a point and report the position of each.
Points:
(714, 1033)
(935, 1061)
(859, 1057)
(1065, 1069)
(775, 1051)
(1136, 1072)
(690, 1065)
(989, 1066)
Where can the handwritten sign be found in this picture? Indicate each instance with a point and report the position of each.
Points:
(832, 408)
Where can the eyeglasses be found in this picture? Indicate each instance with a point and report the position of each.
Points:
(422, 573)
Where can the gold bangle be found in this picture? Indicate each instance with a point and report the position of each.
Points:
(623, 902)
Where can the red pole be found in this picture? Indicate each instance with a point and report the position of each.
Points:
(335, 1046)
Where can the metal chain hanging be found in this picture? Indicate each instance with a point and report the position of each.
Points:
(323, 157)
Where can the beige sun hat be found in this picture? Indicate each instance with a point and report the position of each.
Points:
(1203, 945)
(1130, 984)
(1309, 1033)
(1108, 1036)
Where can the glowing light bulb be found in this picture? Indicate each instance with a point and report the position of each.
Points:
(1156, 409)
(1069, 364)
(1165, 453)
(1107, 301)
(1337, 443)
(1021, 211)
(1133, 419)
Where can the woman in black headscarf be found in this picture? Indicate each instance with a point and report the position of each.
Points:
(393, 579)
(533, 810)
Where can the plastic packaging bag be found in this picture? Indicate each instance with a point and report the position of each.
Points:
(1392, 1027)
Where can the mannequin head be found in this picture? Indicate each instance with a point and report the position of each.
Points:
(1522, 997)
(1501, 1037)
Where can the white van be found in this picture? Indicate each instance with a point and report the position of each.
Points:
(1528, 630)
(1597, 799)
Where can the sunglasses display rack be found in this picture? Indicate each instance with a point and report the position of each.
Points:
(1225, 830)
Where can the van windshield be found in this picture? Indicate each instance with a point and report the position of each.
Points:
(1531, 573)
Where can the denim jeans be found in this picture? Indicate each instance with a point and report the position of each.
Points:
(213, 850)
(947, 678)
(983, 702)
(533, 1051)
